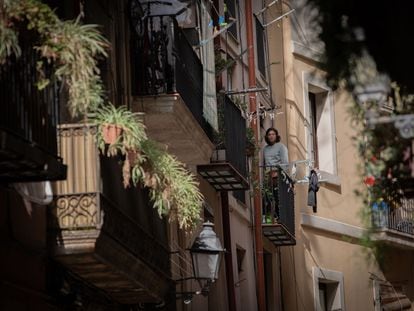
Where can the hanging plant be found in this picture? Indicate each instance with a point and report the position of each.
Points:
(111, 133)
(71, 47)
(173, 189)
(120, 130)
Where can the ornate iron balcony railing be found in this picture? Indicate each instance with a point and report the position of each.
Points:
(399, 219)
(25, 111)
(164, 62)
(235, 136)
(95, 222)
(28, 119)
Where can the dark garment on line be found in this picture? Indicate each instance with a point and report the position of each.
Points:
(313, 188)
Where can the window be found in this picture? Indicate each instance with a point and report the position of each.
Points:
(313, 120)
(323, 296)
(208, 212)
(240, 195)
(260, 45)
(240, 258)
(321, 134)
(328, 290)
(230, 14)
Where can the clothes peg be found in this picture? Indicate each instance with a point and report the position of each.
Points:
(222, 21)
(293, 171)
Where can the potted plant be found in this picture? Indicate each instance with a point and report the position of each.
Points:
(119, 128)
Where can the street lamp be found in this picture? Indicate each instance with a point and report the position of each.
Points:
(206, 253)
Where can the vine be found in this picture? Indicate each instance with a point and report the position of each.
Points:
(386, 164)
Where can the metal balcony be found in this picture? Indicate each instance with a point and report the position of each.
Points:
(278, 216)
(394, 225)
(28, 141)
(167, 84)
(110, 237)
(228, 170)
(164, 62)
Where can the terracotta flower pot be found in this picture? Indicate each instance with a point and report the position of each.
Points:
(111, 133)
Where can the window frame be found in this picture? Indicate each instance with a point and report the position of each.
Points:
(314, 127)
(329, 277)
(260, 66)
(313, 84)
(234, 29)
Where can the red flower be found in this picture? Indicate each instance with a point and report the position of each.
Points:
(369, 180)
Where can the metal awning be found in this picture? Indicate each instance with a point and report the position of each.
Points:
(278, 234)
(223, 176)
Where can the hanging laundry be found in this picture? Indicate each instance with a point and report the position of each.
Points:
(313, 188)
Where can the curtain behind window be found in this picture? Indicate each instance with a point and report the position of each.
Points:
(209, 72)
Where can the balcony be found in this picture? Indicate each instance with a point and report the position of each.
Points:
(278, 220)
(28, 142)
(110, 237)
(394, 226)
(227, 170)
(167, 85)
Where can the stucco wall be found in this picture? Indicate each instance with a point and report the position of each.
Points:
(336, 201)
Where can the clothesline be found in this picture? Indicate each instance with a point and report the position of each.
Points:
(293, 167)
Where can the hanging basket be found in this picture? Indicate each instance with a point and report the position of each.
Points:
(111, 133)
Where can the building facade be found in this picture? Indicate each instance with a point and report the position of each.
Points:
(98, 245)
(330, 267)
(207, 78)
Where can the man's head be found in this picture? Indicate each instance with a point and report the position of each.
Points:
(272, 136)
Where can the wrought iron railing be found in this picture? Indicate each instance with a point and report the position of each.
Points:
(235, 136)
(93, 198)
(278, 198)
(234, 127)
(400, 219)
(25, 111)
(164, 62)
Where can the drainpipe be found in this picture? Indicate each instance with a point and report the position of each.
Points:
(260, 283)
